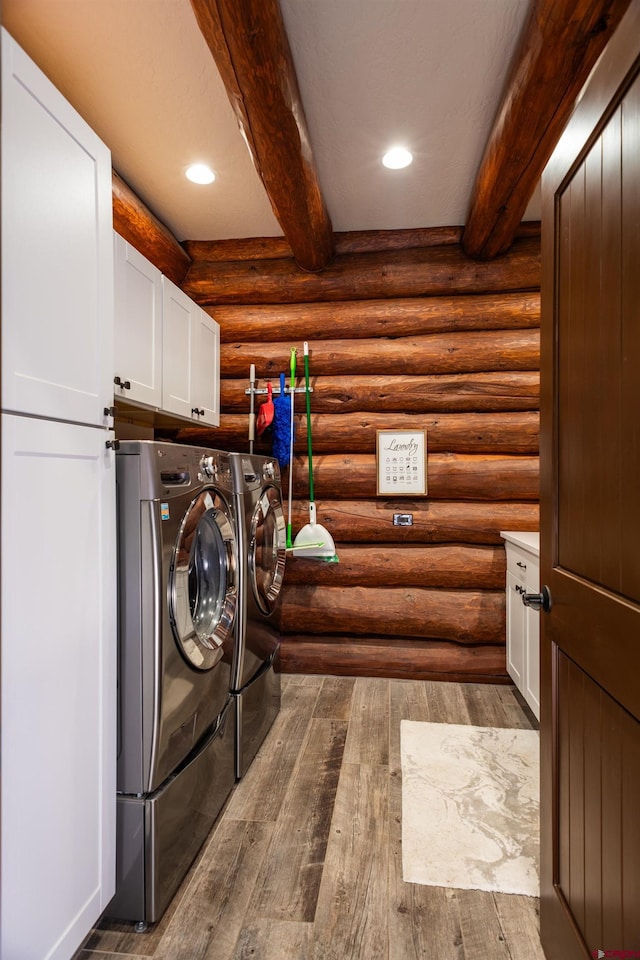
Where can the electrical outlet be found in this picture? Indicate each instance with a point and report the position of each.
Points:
(403, 519)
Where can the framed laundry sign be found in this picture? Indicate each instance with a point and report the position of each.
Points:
(401, 463)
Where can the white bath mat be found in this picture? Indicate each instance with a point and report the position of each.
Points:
(470, 807)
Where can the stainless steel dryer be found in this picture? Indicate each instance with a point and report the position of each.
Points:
(262, 548)
(178, 598)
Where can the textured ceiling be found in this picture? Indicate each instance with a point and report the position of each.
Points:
(427, 73)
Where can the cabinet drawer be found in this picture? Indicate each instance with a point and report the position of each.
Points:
(524, 566)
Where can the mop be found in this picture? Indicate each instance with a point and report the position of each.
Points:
(292, 365)
(313, 541)
(281, 426)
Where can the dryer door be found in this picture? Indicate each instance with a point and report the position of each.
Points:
(267, 549)
(202, 584)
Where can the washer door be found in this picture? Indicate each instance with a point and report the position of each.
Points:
(202, 583)
(267, 549)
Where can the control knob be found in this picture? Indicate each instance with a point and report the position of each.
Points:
(209, 467)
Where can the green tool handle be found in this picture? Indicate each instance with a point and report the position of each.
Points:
(308, 401)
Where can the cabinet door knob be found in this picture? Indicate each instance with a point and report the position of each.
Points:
(521, 564)
(125, 384)
(538, 601)
(198, 413)
(112, 444)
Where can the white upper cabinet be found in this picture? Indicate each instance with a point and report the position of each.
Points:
(57, 251)
(191, 358)
(167, 349)
(138, 326)
(207, 368)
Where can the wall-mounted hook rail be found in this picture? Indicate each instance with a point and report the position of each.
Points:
(258, 391)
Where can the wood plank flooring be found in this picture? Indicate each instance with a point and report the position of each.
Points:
(305, 862)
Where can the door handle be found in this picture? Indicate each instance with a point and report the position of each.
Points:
(538, 601)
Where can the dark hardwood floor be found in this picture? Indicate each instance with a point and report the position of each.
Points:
(305, 861)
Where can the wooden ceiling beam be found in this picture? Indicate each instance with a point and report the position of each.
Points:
(560, 45)
(249, 44)
(142, 229)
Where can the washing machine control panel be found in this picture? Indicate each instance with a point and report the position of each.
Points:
(210, 467)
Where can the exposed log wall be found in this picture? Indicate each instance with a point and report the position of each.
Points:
(417, 272)
(427, 341)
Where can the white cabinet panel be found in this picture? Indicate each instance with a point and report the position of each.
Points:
(515, 632)
(58, 684)
(207, 368)
(523, 623)
(177, 351)
(57, 251)
(138, 326)
(532, 667)
(190, 358)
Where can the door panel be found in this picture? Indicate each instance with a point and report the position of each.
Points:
(57, 252)
(590, 518)
(58, 684)
(630, 297)
(598, 778)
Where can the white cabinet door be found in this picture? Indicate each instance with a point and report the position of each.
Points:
(58, 685)
(138, 326)
(177, 351)
(515, 632)
(207, 368)
(57, 251)
(190, 358)
(532, 666)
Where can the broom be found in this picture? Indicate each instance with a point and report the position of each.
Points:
(313, 540)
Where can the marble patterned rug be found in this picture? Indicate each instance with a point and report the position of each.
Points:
(470, 807)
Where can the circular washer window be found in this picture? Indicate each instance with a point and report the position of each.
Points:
(267, 549)
(202, 586)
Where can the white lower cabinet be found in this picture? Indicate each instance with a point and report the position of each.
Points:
(58, 684)
(523, 623)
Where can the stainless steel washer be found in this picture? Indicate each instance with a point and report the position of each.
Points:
(178, 600)
(255, 681)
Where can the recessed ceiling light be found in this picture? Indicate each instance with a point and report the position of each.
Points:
(200, 173)
(397, 158)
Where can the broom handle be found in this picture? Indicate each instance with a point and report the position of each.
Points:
(292, 367)
(252, 396)
(308, 402)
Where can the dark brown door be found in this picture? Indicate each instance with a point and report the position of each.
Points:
(590, 517)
